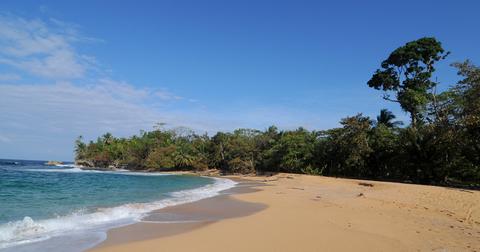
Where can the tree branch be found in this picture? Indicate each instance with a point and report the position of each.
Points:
(387, 97)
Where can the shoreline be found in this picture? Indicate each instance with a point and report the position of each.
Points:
(312, 213)
(186, 217)
(99, 222)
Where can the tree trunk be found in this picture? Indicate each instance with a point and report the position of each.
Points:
(413, 117)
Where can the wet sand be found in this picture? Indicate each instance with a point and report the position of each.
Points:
(289, 212)
(187, 217)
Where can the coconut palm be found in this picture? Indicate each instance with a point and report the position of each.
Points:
(386, 118)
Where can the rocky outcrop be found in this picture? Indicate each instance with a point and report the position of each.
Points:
(98, 168)
(53, 163)
(92, 165)
(84, 163)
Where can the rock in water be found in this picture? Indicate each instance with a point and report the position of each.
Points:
(53, 163)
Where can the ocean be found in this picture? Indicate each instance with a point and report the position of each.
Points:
(65, 208)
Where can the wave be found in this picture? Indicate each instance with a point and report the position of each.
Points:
(64, 165)
(29, 231)
(9, 163)
(78, 169)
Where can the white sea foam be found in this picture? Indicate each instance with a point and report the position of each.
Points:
(28, 230)
(64, 165)
(78, 169)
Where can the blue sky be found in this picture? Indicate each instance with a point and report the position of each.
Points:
(70, 68)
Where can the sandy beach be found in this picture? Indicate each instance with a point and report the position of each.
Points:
(289, 212)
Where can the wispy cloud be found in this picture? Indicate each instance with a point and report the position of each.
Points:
(65, 107)
(78, 97)
(42, 48)
(9, 77)
(121, 90)
(167, 96)
(53, 115)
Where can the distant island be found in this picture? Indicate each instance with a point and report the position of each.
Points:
(440, 145)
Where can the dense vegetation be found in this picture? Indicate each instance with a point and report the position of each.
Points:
(441, 144)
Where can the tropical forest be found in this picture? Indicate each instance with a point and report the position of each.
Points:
(439, 144)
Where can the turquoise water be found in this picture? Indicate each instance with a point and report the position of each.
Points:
(38, 202)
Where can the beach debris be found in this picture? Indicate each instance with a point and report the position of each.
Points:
(365, 184)
(296, 188)
(360, 195)
(270, 180)
(463, 190)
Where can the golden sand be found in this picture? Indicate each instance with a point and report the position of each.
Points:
(313, 213)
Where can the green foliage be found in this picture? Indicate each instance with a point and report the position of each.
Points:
(348, 147)
(386, 118)
(441, 146)
(161, 157)
(235, 152)
(293, 151)
(383, 141)
(407, 72)
(312, 171)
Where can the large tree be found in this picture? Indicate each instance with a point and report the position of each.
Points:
(466, 111)
(408, 72)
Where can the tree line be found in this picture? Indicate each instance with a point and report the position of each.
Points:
(440, 145)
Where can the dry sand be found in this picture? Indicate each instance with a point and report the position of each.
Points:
(311, 213)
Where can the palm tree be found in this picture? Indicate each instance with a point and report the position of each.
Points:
(182, 156)
(80, 148)
(386, 118)
(108, 138)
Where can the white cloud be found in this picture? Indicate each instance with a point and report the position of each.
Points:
(105, 106)
(60, 112)
(80, 99)
(4, 139)
(53, 115)
(167, 96)
(9, 77)
(38, 118)
(42, 120)
(42, 49)
(121, 90)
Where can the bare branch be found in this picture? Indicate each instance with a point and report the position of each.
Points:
(387, 97)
